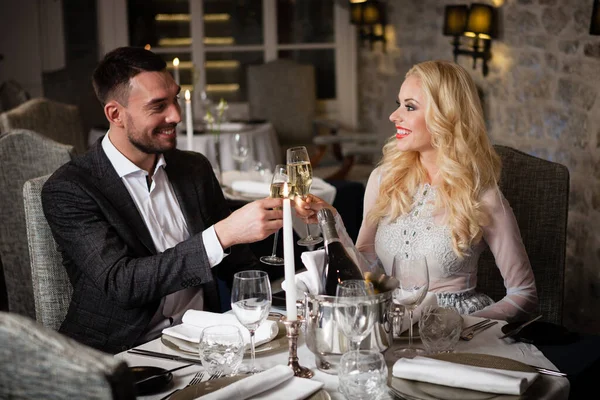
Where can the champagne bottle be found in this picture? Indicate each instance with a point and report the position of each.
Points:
(339, 265)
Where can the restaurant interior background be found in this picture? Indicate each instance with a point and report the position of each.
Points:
(541, 95)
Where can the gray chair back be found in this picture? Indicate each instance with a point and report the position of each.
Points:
(283, 92)
(38, 363)
(538, 192)
(23, 155)
(57, 121)
(52, 289)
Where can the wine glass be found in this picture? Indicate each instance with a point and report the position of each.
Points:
(251, 302)
(301, 176)
(241, 149)
(280, 178)
(354, 310)
(413, 278)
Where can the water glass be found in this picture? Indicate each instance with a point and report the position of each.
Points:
(363, 375)
(440, 328)
(355, 310)
(221, 349)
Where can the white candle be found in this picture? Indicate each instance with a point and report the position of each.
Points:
(288, 256)
(176, 70)
(188, 121)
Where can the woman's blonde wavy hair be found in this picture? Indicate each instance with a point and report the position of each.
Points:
(468, 164)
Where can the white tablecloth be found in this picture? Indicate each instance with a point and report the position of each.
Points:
(264, 146)
(486, 342)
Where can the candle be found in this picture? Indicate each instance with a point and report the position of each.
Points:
(288, 256)
(176, 70)
(188, 121)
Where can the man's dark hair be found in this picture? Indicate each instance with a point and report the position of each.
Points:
(111, 77)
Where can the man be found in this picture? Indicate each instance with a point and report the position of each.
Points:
(143, 227)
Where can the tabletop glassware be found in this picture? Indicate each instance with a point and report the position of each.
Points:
(440, 328)
(354, 312)
(280, 178)
(251, 303)
(221, 349)
(241, 149)
(413, 277)
(301, 176)
(363, 375)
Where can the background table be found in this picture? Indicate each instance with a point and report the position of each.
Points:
(263, 139)
(487, 342)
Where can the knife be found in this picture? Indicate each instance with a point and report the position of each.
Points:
(518, 328)
(141, 352)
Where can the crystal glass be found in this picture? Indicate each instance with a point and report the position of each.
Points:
(363, 375)
(221, 349)
(440, 328)
(354, 313)
(241, 149)
(413, 277)
(280, 178)
(251, 302)
(301, 177)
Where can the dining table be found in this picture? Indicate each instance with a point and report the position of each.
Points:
(486, 342)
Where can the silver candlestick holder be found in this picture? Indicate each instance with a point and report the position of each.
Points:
(293, 330)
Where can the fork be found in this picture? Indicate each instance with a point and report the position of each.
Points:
(469, 335)
(196, 379)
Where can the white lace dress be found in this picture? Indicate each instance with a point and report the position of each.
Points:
(454, 280)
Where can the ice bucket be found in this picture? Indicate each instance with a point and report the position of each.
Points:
(327, 342)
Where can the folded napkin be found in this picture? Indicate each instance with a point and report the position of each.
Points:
(195, 321)
(463, 376)
(429, 300)
(273, 384)
(251, 187)
(311, 280)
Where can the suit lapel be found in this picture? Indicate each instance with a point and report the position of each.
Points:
(113, 188)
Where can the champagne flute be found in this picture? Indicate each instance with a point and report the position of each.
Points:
(241, 149)
(251, 302)
(354, 312)
(301, 176)
(413, 277)
(279, 179)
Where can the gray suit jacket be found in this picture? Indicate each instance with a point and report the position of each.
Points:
(117, 276)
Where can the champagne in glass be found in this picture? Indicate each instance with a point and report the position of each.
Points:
(300, 171)
(413, 277)
(251, 303)
(278, 190)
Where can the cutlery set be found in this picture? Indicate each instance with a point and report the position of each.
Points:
(148, 353)
(470, 331)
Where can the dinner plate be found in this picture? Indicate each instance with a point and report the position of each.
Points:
(541, 333)
(277, 344)
(204, 388)
(235, 195)
(429, 391)
(151, 386)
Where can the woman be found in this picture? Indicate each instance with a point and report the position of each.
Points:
(436, 192)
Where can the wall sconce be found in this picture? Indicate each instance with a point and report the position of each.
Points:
(595, 25)
(370, 16)
(478, 22)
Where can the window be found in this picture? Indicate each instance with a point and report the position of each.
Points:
(226, 36)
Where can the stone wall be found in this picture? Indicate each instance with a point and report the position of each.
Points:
(540, 96)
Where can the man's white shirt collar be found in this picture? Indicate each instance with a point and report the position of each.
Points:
(122, 164)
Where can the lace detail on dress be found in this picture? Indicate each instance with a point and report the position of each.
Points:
(417, 232)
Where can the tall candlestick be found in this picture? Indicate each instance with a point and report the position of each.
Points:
(188, 121)
(288, 256)
(176, 70)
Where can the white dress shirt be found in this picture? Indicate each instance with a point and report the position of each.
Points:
(164, 219)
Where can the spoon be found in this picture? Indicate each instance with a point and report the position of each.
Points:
(162, 373)
(518, 328)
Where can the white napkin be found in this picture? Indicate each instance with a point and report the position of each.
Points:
(273, 384)
(309, 281)
(195, 321)
(429, 300)
(252, 187)
(463, 376)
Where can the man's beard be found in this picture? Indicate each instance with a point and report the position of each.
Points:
(145, 144)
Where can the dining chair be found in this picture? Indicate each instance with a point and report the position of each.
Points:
(39, 363)
(538, 193)
(284, 93)
(23, 155)
(57, 121)
(52, 289)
